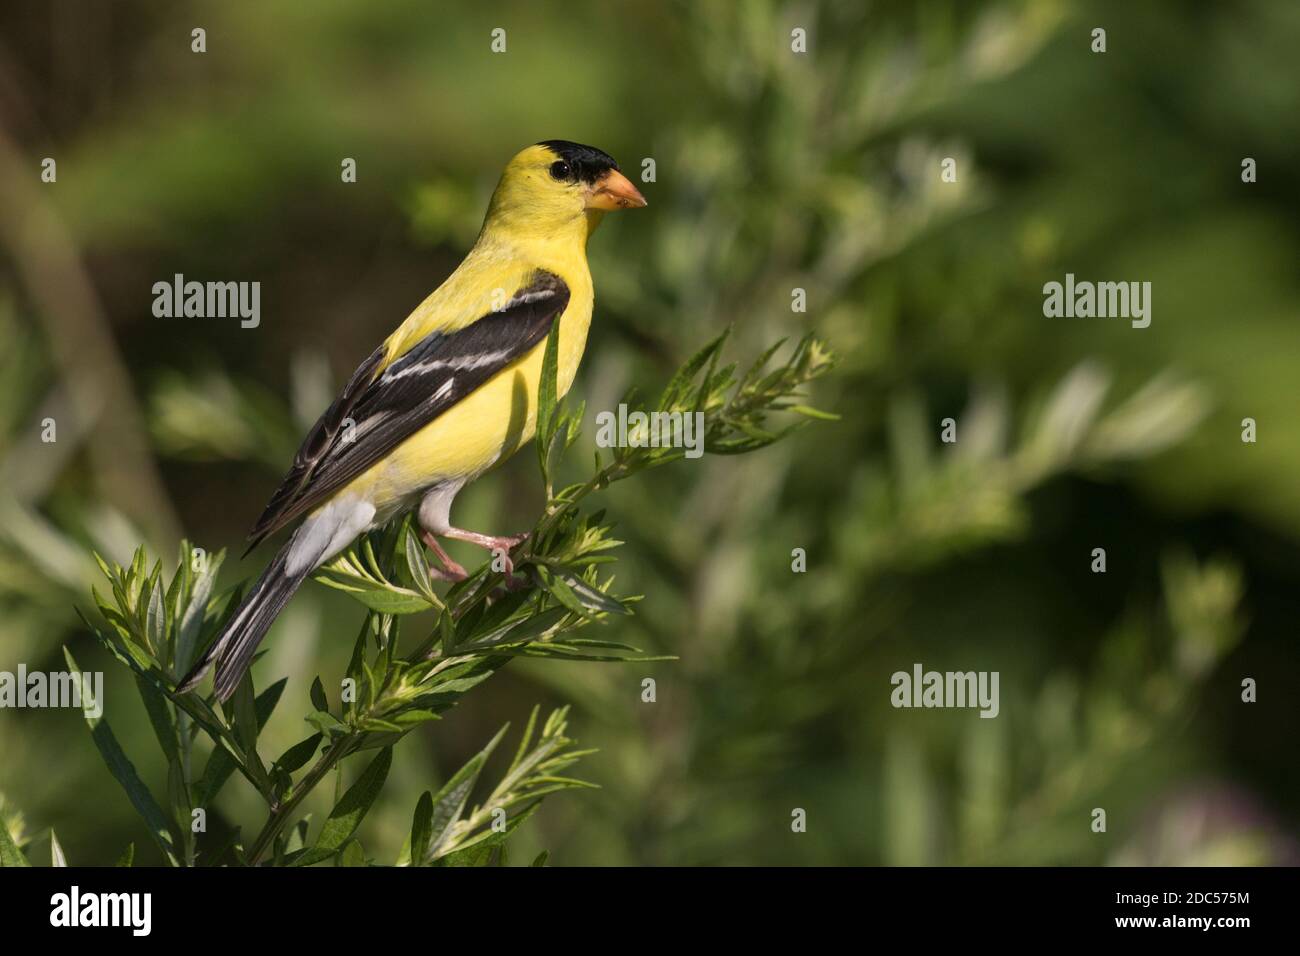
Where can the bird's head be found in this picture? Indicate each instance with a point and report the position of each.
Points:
(557, 185)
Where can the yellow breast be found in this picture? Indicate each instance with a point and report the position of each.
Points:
(490, 424)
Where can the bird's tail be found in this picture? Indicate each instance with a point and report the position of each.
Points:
(234, 647)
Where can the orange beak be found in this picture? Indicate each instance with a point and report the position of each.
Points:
(614, 191)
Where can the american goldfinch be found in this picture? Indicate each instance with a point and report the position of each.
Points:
(450, 394)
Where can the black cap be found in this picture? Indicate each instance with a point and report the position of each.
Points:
(587, 162)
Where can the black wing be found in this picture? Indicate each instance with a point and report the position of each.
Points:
(375, 414)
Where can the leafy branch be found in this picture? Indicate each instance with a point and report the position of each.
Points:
(156, 627)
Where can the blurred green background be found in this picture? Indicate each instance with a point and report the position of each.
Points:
(773, 171)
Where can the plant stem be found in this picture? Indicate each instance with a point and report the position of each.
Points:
(186, 743)
(280, 815)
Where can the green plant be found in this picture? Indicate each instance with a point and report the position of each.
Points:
(156, 627)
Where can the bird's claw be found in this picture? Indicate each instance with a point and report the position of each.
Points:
(510, 582)
(499, 546)
(453, 572)
(450, 570)
(508, 542)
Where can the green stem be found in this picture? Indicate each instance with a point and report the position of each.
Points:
(186, 746)
(217, 732)
(280, 815)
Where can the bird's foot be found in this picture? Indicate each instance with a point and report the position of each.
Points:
(499, 545)
(450, 570)
(492, 542)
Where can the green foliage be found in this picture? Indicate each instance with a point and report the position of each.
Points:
(11, 837)
(156, 627)
(443, 834)
(920, 508)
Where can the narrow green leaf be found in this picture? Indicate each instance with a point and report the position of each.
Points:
(447, 633)
(378, 725)
(155, 623)
(296, 839)
(178, 591)
(353, 855)
(422, 829)
(688, 371)
(10, 854)
(160, 717)
(449, 802)
(191, 624)
(417, 566)
(318, 698)
(296, 757)
(120, 766)
(593, 598)
(245, 714)
(413, 718)
(555, 585)
(525, 739)
(349, 812)
(517, 631)
(386, 598)
(327, 723)
(478, 851)
(810, 412)
(564, 652)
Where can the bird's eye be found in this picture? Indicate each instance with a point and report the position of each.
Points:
(559, 169)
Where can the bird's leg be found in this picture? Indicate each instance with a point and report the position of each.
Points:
(450, 570)
(498, 545)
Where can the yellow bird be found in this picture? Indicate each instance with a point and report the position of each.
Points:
(447, 396)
